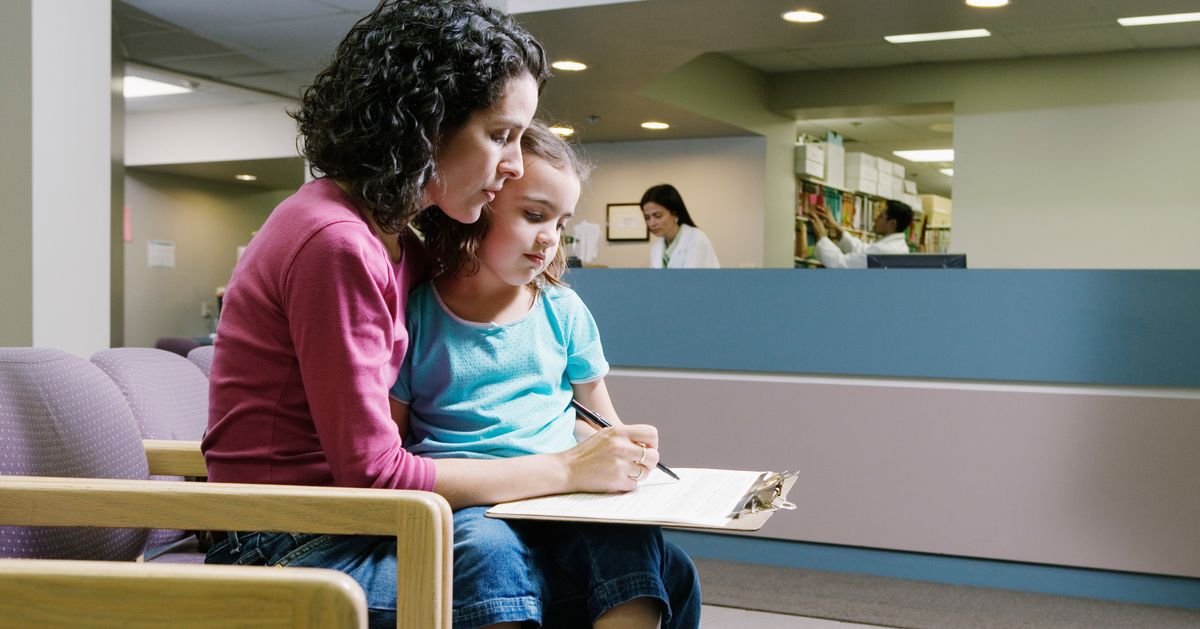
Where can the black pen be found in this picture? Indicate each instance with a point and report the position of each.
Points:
(595, 418)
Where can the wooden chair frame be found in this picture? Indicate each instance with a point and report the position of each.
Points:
(53, 593)
(420, 521)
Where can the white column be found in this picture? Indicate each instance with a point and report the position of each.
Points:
(56, 173)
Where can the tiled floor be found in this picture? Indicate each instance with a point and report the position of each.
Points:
(730, 618)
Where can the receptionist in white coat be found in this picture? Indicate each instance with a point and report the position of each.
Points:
(678, 243)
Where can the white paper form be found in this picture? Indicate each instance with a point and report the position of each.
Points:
(702, 497)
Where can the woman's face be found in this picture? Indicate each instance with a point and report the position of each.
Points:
(659, 220)
(474, 161)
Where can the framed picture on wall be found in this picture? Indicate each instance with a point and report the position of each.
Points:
(625, 222)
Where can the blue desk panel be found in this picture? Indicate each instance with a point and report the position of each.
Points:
(1136, 328)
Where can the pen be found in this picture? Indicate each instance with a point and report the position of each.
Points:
(595, 418)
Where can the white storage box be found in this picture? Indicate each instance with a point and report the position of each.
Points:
(835, 166)
(810, 160)
(865, 186)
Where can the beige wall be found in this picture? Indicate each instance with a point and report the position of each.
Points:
(207, 221)
(721, 181)
(1061, 162)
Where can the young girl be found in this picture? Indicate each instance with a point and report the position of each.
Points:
(499, 346)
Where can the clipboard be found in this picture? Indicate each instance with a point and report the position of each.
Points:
(703, 499)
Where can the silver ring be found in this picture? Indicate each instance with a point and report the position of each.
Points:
(640, 474)
(643, 459)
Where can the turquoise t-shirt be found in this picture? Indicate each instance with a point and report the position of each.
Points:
(483, 390)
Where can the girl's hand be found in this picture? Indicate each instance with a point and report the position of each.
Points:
(607, 461)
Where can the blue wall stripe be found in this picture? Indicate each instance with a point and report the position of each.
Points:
(1136, 328)
(1064, 581)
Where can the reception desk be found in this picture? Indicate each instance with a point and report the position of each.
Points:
(1046, 417)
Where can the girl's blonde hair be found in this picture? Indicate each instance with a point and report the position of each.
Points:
(454, 246)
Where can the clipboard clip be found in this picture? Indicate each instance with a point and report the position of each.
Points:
(767, 494)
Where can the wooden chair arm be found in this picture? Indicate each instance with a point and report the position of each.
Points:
(58, 593)
(420, 521)
(174, 458)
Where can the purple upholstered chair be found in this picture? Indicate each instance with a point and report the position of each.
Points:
(61, 416)
(176, 344)
(167, 392)
(202, 357)
(169, 398)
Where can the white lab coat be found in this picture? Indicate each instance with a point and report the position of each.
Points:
(694, 251)
(851, 253)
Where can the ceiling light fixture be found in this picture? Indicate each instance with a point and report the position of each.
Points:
(926, 155)
(919, 37)
(1147, 20)
(986, 4)
(245, 177)
(949, 172)
(562, 130)
(802, 16)
(139, 87)
(569, 66)
(657, 126)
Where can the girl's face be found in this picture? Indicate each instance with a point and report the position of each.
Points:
(526, 223)
(474, 162)
(659, 220)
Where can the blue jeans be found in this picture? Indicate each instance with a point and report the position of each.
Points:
(551, 574)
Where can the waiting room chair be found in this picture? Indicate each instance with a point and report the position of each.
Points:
(202, 357)
(169, 398)
(52, 594)
(74, 459)
(176, 344)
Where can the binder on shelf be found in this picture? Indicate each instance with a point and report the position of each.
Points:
(735, 500)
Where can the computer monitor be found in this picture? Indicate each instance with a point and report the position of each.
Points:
(916, 261)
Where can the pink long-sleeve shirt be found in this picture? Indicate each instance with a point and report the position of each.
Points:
(311, 337)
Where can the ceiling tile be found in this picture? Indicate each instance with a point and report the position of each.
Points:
(1072, 41)
(217, 66)
(774, 61)
(1165, 35)
(832, 57)
(152, 47)
(994, 47)
(207, 16)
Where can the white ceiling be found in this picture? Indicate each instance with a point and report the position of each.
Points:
(275, 47)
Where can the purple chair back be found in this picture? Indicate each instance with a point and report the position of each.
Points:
(169, 398)
(202, 357)
(61, 416)
(167, 392)
(176, 344)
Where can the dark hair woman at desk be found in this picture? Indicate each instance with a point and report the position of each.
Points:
(679, 243)
(421, 110)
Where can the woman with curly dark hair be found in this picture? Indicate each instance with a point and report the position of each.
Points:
(422, 109)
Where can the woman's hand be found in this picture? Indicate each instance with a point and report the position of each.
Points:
(608, 461)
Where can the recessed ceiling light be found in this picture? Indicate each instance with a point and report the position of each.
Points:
(918, 37)
(562, 130)
(942, 127)
(658, 126)
(245, 177)
(803, 17)
(1147, 20)
(569, 66)
(986, 4)
(949, 172)
(929, 155)
(138, 87)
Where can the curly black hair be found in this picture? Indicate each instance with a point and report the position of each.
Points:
(407, 76)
